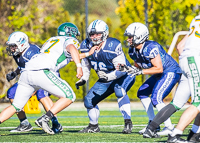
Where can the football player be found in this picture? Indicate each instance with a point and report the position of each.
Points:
(104, 60)
(40, 73)
(22, 51)
(151, 59)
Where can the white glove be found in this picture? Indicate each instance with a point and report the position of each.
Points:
(102, 76)
(81, 82)
(130, 70)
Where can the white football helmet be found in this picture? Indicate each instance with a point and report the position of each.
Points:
(19, 40)
(98, 27)
(138, 31)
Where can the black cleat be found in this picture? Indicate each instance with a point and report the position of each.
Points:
(22, 128)
(57, 128)
(90, 129)
(195, 137)
(150, 134)
(127, 127)
(177, 139)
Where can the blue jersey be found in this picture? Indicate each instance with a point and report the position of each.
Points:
(149, 51)
(26, 56)
(103, 59)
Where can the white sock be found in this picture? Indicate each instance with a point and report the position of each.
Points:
(168, 122)
(25, 122)
(195, 128)
(124, 106)
(93, 115)
(176, 132)
(148, 107)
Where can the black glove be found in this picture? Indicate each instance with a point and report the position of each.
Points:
(81, 82)
(11, 76)
(102, 76)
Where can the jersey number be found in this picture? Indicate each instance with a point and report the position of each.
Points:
(54, 42)
(100, 65)
(197, 34)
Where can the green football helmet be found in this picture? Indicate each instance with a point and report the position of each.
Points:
(68, 29)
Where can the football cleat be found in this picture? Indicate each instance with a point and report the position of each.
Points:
(195, 137)
(165, 131)
(90, 129)
(177, 139)
(22, 128)
(128, 127)
(38, 122)
(150, 134)
(144, 129)
(57, 128)
(43, 122)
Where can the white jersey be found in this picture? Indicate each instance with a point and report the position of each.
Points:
(192, 44)
(53, 54)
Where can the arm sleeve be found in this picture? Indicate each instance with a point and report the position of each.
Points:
(86, 69)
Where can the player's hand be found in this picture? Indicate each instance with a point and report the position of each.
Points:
(102, 76)
(11, 75)
(130, 70)
(79, 72)
(81, 82)
(92, 50)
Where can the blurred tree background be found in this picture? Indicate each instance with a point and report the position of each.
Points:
(39, 19)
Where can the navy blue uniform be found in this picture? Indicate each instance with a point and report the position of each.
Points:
(104, 60)
(21, 60)
(159, 85)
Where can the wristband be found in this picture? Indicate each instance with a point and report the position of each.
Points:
(87, 54)
(78, 65)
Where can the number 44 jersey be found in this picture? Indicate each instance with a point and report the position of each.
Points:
(53, 54)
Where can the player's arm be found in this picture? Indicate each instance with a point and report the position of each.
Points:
(87, 54)
(157, 66)
(75, 56)
(181, 45)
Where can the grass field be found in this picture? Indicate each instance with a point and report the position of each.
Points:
(111, 125)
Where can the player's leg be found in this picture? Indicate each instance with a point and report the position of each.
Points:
(47, 103)
(190, 67)
(143, 94)
(49, 81)
(96, 94)
(180, 98)
(121, 88)
(22, 95)
(24, 125)
(162, 88)
(194, 134)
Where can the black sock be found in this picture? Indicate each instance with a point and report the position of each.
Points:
(153, 125)
(162, 116)
(22, 119)
(93, 125)
(127, 120)
(50, 114)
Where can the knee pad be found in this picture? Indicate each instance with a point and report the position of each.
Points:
(119, 91)
(88, 103)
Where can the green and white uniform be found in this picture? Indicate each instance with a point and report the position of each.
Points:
(40, 71)
(189, 61)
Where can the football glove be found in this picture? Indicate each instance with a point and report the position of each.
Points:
(81, 82)
(130, 70)
(102, 76)
(11, 76)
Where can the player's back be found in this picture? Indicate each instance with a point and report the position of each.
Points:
(53, 52)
